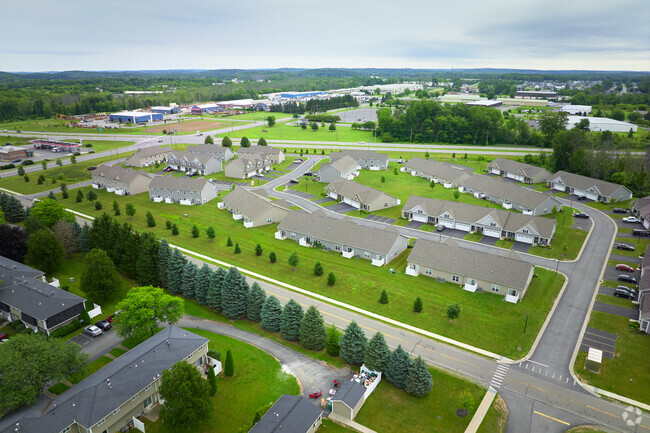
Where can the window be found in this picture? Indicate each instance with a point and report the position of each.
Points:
(525, 230)
(495, 287)
(268, 220)
(293, 235)
(337, 248)
(66, 430)
(115, 411)
(147, 402)
(366, 254)
(428, 271)
(101, 421)
(455, 278)
(198, 362)
(135, 397)
(147, 388)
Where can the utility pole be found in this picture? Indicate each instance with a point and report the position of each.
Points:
(526, 323)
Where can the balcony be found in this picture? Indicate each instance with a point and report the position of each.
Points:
(95, 186)
(279, 236)
(470, 287)
(402, 169)
(248, 224)
(412, 272)
(120, 192)
(110, 188)
(507, 205)
(378, 262)
(303, 242)
(348, 254)
(169, 200)
(513, 299)
(157, 199)
(447, 185)
(186, 202)
(527, 212)
(220, 205)
(237, 216)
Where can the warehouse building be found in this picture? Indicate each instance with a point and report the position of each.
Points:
(577, 110)
(165, 109)
(530, 94)
(598, 124)
(135, 117)
(485, 103)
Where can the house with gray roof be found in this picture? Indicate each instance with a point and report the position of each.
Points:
(641, 209)
(360, 196)
(518, 171)
(107, 400)
(26, 295)
(184, 190)
(366, 159)
(644, 292)
(254, 207)
(593, 189)
(449, 175)
(146, 156)
(505, 275)
(200, 163)
(223, 154)
(344, 167)
(344, 236)
(290, 414)
(510, 195)
(121, 181)
(275, 154)
(491, 222)
(248, 166)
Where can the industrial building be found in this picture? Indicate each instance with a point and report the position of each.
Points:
(165, 109)
(135, 117)
(9, 153)
(531, 94)
(485, 103)
(577, 110)
(602, 124)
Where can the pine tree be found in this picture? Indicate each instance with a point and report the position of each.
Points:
(147, 264)
(168, 225)
(188, 286)
(353, 344)
(13, 209)
(195, 231)
(271, 312)
(213, 297)
(262, 142)
(175, 271)
(293, 260)
(417, 305)
(383, 299)
(332, 341)
(229, 242)
(397, 367)
(202, 284)
(237, 249)
(51, 195)
(151, 222)
(212, 380)
(256, 299)
(290, 320)
(258, 250)
(377, 353)
(272, 257)
(84, 242)
(209, 232)
(312, 330)
(318, 269)
(234, 295)
(331, 279)
(116, 208)
(163, 259)
(174, 229)
(418, 382)
(229, 367)
(245, 142)
(80, 196)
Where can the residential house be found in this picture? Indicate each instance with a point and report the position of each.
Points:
(200, 163)
(506, 275)
(146, 156)
(641, 209)
(518, 171)
(245, 167)
(26, 295)
(275, 154)
(593, 189)
(184, 190)
(108, 400)
(290, 414)
(644, 292)
(449, 175)
(360, 196)
(491, 222)
(343, 235)
(223, 154)
(121, 181)
(254, 207)
(343, 168)
(510, 196)
(366, 159)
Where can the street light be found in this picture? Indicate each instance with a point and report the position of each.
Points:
(526, 323)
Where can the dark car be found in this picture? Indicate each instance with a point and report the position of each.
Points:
(104, 325)
(582, 197)
(309, 173)
(17, 160)
(624, 294)
(639, 232)
(625, 247)
(627, 279)
(627, 289)
(293, 181)
(619, 210)
(92, 167)
(580, 215)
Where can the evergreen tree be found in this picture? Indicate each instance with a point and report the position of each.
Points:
(417, 305)
(213, 297)
(168, 225)
(91, 195)
(261, 142)
(258, 250)
(331, 279)
(245, 142)
(174, 229)
(202, 284)
(80, 196)
(163, 259)
(147, 264)
(208, 140)
(188, 286)
(13, 209)
(44, 251)
(209, 232)
(175, 271)
(229, 367)
(234, 295)
(293, 260)
(83, 239)
(237, 249)
(256, 299)
(418, 382)
(290, 320)
(116, 208)
(212, 380)
(332, 341)
(129, 248)
(195, 231)
(397, 367)
(51, 195)
(270, 316)
(151, 222)
(353, 344)
(377, 353)
(226, 142)
(318, 269)
(229, 242)
(453, 311)
(383, 299)
(272, 257)
(312, 330)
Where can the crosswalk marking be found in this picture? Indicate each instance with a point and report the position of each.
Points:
(499, 375)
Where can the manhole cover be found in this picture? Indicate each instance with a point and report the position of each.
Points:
(462, 413)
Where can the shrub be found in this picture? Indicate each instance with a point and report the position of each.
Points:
(215, 354)
(66, 329)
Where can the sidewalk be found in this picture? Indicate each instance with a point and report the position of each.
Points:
(348, 422)
(477, 419)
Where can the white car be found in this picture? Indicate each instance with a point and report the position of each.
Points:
(631, 220)
(93, 330)
(198, 134)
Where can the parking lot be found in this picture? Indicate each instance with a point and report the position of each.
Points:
(359, 115)
(301, 194)
(598, 339)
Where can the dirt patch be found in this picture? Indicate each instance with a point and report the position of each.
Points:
(191, 126)
(501, 407)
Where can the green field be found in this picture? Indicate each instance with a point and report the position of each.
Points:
(58, 388)
(567, 242)
(356, 278)
(102, 145)
(55, 125)
(290, 132)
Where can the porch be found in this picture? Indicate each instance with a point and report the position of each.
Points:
(279, 235)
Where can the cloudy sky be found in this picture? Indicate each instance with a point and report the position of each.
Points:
(46, 35)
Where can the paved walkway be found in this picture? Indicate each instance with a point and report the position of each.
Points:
(348, 422)
(477, 419)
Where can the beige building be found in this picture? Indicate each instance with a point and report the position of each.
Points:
(275, 154)
(448, 175)
(201, 163)
(121, 181)
(184, 190)
(360, 196)
(248, 166)
(254, 208)
(518, 171)
(147, 156)
(344, 167)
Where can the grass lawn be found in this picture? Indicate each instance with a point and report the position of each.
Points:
(614, 284)
(332, 427)
(640, 245)
(356, 278)
(68, 174)
(117, 352)
(585, 429)
(614, 300)
(102, 145)
(58, 388)
(473, 237)
(567, 242)
(91, 368)
(310, 187)
(607, 206)
(436, 412)
(503, 243)
(496, 417)
(627, 373)
(291, 132)
(57, 125)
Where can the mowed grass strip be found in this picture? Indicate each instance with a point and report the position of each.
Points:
(91, 368)
(282, 131)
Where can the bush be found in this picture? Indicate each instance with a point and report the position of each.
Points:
(331, 279)
(66, 329)
(27, 162)
(7, 166)
(98, 205)
(215, 354)
(16, 324)
(329, 118)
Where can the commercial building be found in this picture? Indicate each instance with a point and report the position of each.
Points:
(55, 145)
(165, 110)
(518, 171)
(491, 103)
(121, 181)
(290, 414)
(9, 153)
(593, 189)
(597, 124)
(135, 117)
(184, 190)
(255, 208)
(577, 110)
(360, 196)
(530, 94)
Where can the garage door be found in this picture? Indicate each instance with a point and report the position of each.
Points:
(420, 217)
(333, 195)
(559, 187)
(446, 223)
(351, 202)
(493, 233)
(463, 226)
(515, 176)
(523, 237)
(496, 171)
(592, 196)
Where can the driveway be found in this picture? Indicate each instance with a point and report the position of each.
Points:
(313, 375)
(488, 240)
(341, 208)
(616, 310)
(324, 200)
(414, 225)
(521, 247)
(96, 347)
(380, 219)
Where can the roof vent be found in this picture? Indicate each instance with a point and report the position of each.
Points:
(52, 294)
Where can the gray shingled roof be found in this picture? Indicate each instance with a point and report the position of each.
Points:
(643, 206)
(21, 288)
(150, 151)
(251, 203)
(358, 154)
(350, 189)
(342, 164)
(448, 256)
(451, 172)
(350, 392)
(340, 231)
(92, 399)
(115, 172)
(290, 414)
(511, 166)
(182, 183)
(202, 158)
(583, 182)
(262, 150)
(207, 148)
(501, 188)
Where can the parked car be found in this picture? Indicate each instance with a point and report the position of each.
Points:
(619, 210)
(440, 228)
(92, 167)
(627, 279)
(293, 181)
(297, 160)
(580, 215)
(112, 316)
(626, 268)
(582, 197)
(627, 289)
(4, 338)
(92, 330)
(625, 247)
(17, 160)
(639, 232)
(104, 325)
(624, 294)
(168, 169)
(198, 134)
(631, 219)
(309, 173)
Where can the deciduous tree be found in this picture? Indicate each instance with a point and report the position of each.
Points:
(14, 242)
(99, 279)
(293, 260)
(44, 251)
(143, 309)
(186, 396)
(49, 212)
(453, 311)
(130, 209)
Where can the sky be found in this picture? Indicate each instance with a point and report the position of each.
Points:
(46, 35)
